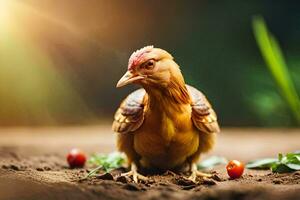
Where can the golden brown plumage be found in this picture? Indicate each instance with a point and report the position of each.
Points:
(167, 123)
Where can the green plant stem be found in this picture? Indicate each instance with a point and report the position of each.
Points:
(91, 173)
(274, 59)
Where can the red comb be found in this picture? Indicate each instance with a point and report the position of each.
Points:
(137, 56)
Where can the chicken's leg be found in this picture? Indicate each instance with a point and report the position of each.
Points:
(196, 173)
(135, 175)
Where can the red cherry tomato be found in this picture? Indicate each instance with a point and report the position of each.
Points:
(235, 169)
(76, 158)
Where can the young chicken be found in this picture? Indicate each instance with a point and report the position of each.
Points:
(167, 123)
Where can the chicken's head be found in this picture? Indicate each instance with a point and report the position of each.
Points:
(150, 66)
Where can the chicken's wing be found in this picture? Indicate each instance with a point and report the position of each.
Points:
(203, 116)
(130, 114)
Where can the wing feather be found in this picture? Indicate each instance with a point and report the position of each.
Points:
(130, 115)
(203, 115)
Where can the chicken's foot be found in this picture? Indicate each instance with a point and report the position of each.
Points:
(195, 173)
(135, 175)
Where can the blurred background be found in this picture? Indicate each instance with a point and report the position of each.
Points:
(60, 60)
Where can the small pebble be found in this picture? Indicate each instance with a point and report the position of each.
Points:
(46, 168)
(106, 176)
(4, 167)
(188, 187)
(131, 187)
(122, 179)
(209, 182)
(39, 169)
(277, 181)
(216, 177)
(297, 174)
(184, 181)
(14, 167)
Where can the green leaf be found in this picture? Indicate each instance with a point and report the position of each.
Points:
(285, 163)
(211, 162)
(293, 166)
(298, 158)
(293, 158)
(265, 163)
(288, 163)
(108, 162)
(281, 168)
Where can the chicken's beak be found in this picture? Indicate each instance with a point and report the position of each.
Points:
(127, 78)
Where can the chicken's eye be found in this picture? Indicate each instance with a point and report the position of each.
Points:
(148, 65)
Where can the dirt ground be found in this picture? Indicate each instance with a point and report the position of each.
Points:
(33, 166)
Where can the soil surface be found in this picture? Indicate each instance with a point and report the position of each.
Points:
(33, 166)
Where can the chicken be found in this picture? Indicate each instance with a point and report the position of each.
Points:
(166, 124)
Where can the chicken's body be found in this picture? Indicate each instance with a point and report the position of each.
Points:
(167, 138)
(165, 125)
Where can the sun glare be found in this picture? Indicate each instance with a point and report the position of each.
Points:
(5, 11)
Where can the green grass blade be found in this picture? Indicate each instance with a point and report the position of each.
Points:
(276, 64)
